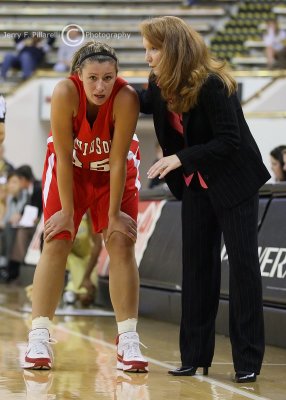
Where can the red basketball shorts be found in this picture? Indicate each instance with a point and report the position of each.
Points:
(90, 191)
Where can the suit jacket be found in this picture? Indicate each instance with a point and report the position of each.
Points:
(217, 142)
(35, 199)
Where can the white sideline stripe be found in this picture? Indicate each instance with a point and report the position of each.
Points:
(201, 378)
(265, 364)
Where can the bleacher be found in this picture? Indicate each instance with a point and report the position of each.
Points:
(232, 29)
(102, 18)
(240, 40)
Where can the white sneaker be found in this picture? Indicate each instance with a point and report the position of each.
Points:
(39, 354)
(129, 357)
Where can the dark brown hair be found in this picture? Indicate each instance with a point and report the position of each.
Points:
(81, 56)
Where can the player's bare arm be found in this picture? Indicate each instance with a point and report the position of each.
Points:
(126, 111)
(63, 108)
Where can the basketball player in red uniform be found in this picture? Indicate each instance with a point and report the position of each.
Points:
(92, 163)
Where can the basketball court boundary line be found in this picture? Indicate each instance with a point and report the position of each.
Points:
(200, 378)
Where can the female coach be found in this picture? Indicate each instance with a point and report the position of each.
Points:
(212, 162)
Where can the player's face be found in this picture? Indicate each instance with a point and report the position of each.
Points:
(152, 55)
(98, 80)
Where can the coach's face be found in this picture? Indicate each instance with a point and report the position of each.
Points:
(98, 79)
(152, 56)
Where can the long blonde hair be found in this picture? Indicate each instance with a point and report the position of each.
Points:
(186, 62)
(88, 53)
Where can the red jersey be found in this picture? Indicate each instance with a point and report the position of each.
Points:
(91, 183)
(92, 145)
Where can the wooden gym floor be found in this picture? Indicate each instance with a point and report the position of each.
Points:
(85, 363)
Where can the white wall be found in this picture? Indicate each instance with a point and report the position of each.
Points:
(251, 85)
(273, 98)
(268, 133)
(26, 134)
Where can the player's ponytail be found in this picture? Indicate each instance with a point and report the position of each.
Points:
(90, 52)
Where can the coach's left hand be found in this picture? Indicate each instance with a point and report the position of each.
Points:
(163, 166)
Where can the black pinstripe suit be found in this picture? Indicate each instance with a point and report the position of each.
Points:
(217, 142)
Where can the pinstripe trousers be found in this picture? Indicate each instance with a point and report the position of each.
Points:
(203, 224)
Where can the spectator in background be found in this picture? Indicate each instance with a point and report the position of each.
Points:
(81, 263)
(3, 198)
(277, 163)
(70, 44)
(5, 167)
(284, 159)
(32, 186)
(16, 200)
(275, 45)
(2, 118)
(188, 3)
(24, 234)
(30, 53)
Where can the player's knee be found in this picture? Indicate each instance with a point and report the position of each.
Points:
(120, 245)
(57, 248)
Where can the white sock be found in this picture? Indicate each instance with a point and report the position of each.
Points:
(41, 322)
(129, 325)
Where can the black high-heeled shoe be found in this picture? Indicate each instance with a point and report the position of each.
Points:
(187, 371)
(244, 377)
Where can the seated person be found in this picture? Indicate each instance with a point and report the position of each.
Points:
(81, 265)
(30, 52)
(189, 3)
(284, 160)
(277, 163)
(24, 234)
(71, 43)
(5, 166)
(3, 200)
(275, 45)
(16, 200)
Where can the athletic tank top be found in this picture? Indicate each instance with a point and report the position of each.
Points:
(92, 145)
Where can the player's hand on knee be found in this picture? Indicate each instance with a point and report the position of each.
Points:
(122, 223)
(57, 223)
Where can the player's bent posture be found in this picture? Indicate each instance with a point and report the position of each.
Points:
(92, 163)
